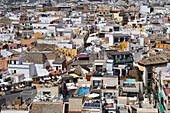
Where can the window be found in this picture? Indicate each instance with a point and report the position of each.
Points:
(150, 60)
(108, 95)
(115, 39)
(15, 71)
(126, 39)
(161, 58)
(14, 61)
(61, 34)
(46, 93)
(97, 83)
(127, 56)
(56, 67)
(150, 76)
(121, 39)
(99, 68)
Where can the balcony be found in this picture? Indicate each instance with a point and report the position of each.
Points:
(119, 61)
(108, 15)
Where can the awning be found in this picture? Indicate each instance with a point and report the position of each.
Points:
(160, 95)
(161, 107)
(108, 14)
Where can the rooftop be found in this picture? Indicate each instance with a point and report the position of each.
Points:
(153, 60)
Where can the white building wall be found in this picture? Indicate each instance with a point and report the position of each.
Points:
(42, 31)
(107, 28)
(144, 9)
(111, 40)
(51, 30)
(20, 69)
(67, 34)
(47, 19)
(5, 53)
(28, 69)
(17, 79)
(55, 65)
(5, 37)
(40, 70)
(70, 46)
(141, 41)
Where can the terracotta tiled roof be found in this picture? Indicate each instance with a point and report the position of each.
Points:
(37, 58)
(76, 30)
(12, 45)
(56, 20)
(44, 47)
(15, 58)
(161, 46)
(59, 60)
(27, 41)
(46, 107)
(14, 52)
(5, 20)
(37, 35)
(1, 46)
(153, 60)
(166, 55)
(161, 39)
(63, 36)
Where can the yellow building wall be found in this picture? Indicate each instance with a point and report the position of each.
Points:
(69, 66)
(141, 68)
(121, 46)
(153, 83)
(116, 15)
(124, 45)
(4, 64)
(120, 19)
